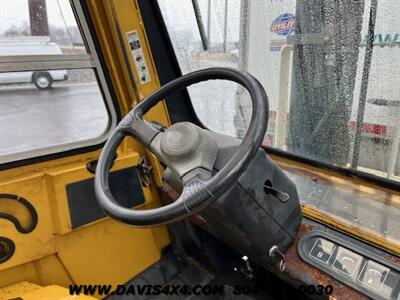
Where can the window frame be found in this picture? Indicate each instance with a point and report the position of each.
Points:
(93, 60)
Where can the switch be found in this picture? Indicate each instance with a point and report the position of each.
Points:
(346, 261)
(373, 275)
(322, 250)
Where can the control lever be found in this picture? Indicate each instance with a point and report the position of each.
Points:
(246, 270)
(281, 196)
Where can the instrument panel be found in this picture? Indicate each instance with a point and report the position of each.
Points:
(353, 263)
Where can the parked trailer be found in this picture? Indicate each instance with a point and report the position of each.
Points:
(266, 52)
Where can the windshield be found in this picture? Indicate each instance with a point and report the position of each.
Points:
(330, 69)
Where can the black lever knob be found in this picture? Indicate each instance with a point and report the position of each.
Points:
(281, 196)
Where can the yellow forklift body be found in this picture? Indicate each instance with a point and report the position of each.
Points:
(105, 251)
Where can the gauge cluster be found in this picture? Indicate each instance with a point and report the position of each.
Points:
(359, 266)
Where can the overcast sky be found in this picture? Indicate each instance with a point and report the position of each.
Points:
(179, 15)
(179, 12)
(15, 12)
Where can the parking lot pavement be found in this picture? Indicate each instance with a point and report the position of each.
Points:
(31, 118)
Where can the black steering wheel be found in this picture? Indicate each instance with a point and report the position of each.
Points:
(197, 194)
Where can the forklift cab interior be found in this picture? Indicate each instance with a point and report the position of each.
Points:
(232, 148)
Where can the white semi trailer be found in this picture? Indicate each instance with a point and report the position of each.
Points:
(267, 41)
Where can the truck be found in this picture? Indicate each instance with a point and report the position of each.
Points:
(33, 45)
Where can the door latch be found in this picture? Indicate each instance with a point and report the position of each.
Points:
(145, 172)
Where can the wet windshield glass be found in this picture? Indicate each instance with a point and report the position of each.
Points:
(330, 69)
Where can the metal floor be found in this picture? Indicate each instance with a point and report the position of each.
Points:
(173, 270)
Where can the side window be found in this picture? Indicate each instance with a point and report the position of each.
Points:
(331, 73)
(53, 94)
